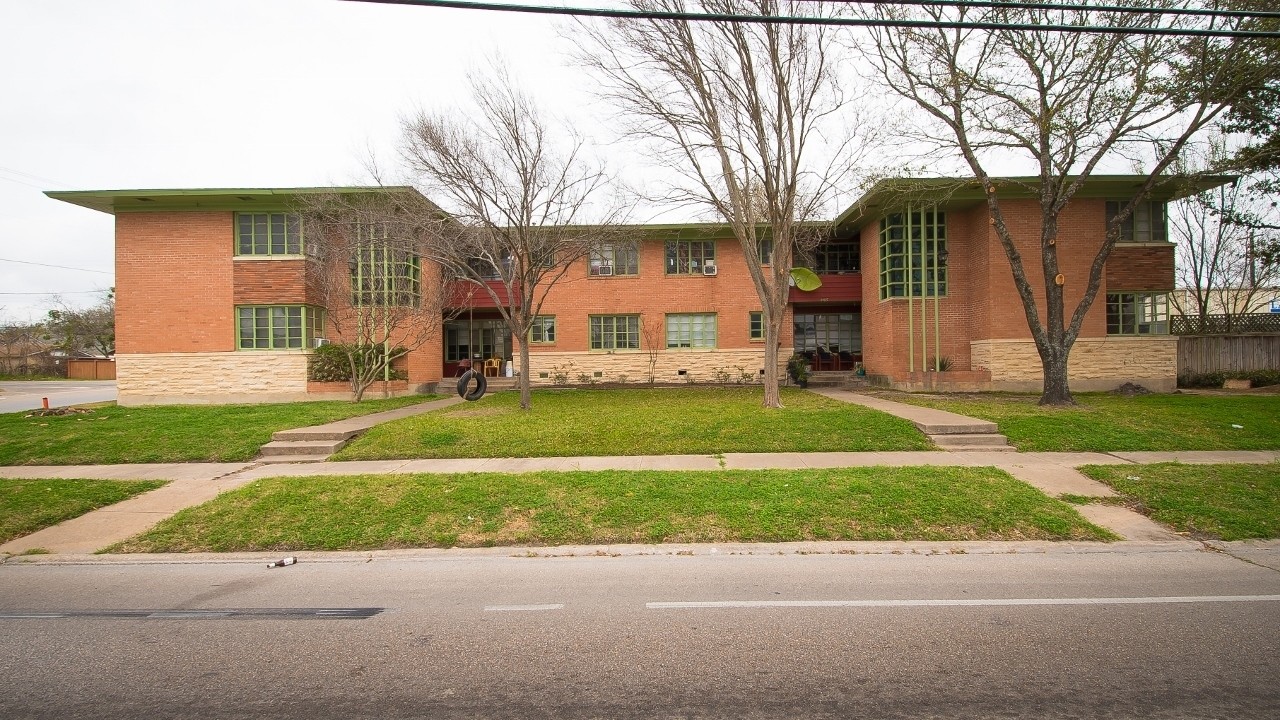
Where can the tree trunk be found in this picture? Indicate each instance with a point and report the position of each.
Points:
(526, 392)
(1056, 391)
(772, 396)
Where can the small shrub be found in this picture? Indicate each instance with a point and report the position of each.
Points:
(560, 373)
(586, 379)
(329, 363)
(721, 376)
(1259, 378)
(621, 379)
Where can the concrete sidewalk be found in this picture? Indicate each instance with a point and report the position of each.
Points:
(195, 483)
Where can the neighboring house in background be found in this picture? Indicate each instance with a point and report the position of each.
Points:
(24, 352)
(212, 306)
(1227, 301)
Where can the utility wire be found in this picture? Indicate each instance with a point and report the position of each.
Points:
(838, 21)
(1134, 9)
(60, 267)
(68, 292)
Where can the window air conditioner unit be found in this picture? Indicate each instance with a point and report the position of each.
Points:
(318, 342)
(709, 269)
(605, 270)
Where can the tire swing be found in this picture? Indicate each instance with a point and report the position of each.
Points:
(465, 389)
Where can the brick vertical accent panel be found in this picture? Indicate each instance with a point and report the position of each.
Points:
(270, 282)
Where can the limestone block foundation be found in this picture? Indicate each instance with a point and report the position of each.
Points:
(1096, 364)
(211, 378)
(699, 366)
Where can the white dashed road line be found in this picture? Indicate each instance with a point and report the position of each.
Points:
(989, 602)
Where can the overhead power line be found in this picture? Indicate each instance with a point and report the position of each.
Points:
(851, 22)
(67, 292)
(60, 267)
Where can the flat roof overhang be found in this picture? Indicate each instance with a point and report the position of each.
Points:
(962, 193)
(205, 199)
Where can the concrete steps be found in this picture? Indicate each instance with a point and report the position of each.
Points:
(297, 449)
(838, 379)
(961, 442)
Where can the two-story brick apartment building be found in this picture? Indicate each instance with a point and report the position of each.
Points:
(211, 306)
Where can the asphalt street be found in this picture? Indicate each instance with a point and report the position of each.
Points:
(21, 395)
(1153, 634)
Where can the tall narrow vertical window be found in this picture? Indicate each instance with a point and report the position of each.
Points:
(384, 272)
(913, 251)
(268, 234)
(755, 325)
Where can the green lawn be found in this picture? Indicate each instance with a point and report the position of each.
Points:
(29, 505)
(166, 433)
(1227, 502)
(1103, 422)
(673, 421)
(553, 508)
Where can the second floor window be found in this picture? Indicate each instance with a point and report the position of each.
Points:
(620, 258)
(268, 234)
(913, 251)
(1145, 224)
(831, 258)
(383, 274)
(688, 257)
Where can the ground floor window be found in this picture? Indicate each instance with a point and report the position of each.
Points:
(278, 327)
(482, 339)
(1137, 313)
(755, 326)
(614, 332)
(833, 332)
(691, 330)
(543, 329)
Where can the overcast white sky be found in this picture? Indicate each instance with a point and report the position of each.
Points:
(234, 93)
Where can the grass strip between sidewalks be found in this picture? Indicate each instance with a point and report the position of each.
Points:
(669, 421)
(555, 508)
(1102, 422)
(1223, 502)
(167, 433)
(30, 505)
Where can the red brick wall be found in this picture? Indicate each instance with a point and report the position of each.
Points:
(269, 282)
(652, 294)
(1139, 268)
(174, 282)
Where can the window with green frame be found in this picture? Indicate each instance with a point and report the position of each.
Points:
(543, 329)
(1145, 224)
(614, 332)
(1137, 313)
(755, 325)
(384, 274)
(691, 330)
(688, 257)
(913, 251)
(278, 327)
(268, 234)
(622, 258)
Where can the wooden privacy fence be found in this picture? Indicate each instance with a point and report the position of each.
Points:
(1227, 353)
(91, 369)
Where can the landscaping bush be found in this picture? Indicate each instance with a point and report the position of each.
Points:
(329, 363)
(1259, 378)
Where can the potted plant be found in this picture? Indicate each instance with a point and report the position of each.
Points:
(798, 370)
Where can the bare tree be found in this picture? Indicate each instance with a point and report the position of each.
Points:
(1066, 102)
(365, 266)
(737, 111)
(1226, 265)
(84, 331)
(525, 201)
